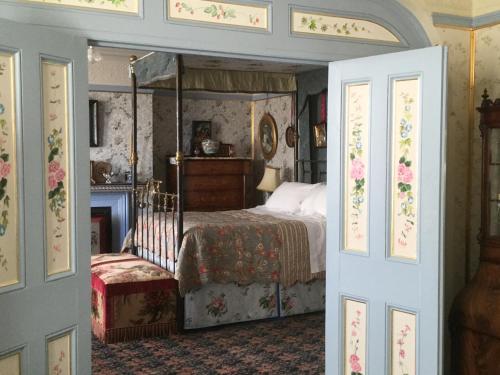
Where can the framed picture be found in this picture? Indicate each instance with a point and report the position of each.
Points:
(290, 136)
(201, 130)
(268, 136)
(320, 135)
(93, 126)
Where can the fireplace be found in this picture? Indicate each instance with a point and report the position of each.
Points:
(100, 230)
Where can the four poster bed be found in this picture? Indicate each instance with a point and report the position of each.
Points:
(231, 266)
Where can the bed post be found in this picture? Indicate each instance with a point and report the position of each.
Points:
(133, 156)
(295, 106)
(179, 156)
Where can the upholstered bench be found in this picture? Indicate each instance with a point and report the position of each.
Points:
(131, 298)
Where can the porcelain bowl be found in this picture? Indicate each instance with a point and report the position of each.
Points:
(210, 147)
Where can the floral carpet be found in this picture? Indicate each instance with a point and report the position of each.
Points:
(293, 345)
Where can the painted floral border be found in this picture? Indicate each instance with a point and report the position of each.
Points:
(405, 168)
(112, 6)
(403, 342)
(357, 163)
(8, 202)
(328, 24)
(355, 337)
(230, 14)
(56, 130)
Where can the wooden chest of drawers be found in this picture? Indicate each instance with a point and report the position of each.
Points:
(213, 184)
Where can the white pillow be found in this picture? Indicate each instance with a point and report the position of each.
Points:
(315, 203)
(288, 196)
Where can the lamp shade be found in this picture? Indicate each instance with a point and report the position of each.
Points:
(271, 180)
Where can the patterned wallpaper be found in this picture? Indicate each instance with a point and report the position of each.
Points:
(115, 123)
(281, 109)
(457, 158)
(230, 124)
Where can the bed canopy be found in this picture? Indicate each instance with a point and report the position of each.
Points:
(158, 70)
(166, 71)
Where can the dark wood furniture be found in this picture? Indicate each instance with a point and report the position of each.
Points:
(475, 317)
(213, 183)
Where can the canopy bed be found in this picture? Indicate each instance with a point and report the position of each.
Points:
(238, 265)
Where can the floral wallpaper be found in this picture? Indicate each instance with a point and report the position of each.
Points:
(219, 12)
(59, 355)
(230, 124)
(57, 176)
(281, 109)
(9, 236)
(115, 124)
(122, 6)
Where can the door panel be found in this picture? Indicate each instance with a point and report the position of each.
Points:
(385, 222)
(46, 310)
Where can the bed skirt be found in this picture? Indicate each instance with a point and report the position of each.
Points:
(218, 304)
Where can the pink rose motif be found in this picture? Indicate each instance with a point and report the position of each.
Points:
(357, 169)
(59, 175)
(405, 174)
(354, 361)
(54, 166)
(356, 367)
(52, 182)
(4, 168)
(402, 353)
(52, 116)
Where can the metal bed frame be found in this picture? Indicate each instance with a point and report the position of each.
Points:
(147, 201)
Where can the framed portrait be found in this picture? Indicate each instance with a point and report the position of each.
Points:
(201, 130)
(290, 136)
(93, 126)
(320, 135)
(268, 136)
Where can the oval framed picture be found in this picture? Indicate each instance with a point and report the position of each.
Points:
(290, 136)
(268, 136)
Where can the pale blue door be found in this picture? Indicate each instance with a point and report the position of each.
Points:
(44, 202)
(386, 164)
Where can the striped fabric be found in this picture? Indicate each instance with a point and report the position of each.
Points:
(294, 254)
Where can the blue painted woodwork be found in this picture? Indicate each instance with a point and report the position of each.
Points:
(375, 277)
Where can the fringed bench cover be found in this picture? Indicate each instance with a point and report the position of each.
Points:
(131, 298)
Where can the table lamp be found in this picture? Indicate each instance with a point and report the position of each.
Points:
(270, 181)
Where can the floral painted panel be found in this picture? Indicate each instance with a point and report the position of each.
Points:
(9, 230)
(121, 6)
(405, 167)
(219, 12)
(11, 364)
(331, 25)
(403, 342)
(357, 125)
(355, 337)
(59, 355)
(57, 189)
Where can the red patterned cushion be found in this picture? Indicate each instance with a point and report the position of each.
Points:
(131, 298)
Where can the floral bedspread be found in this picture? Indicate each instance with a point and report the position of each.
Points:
(241, 247)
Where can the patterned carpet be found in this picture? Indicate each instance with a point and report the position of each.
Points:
(293, 345)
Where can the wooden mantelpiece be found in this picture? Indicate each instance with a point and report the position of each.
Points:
(475, 316)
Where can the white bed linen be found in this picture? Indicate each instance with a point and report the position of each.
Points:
(316, 233)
